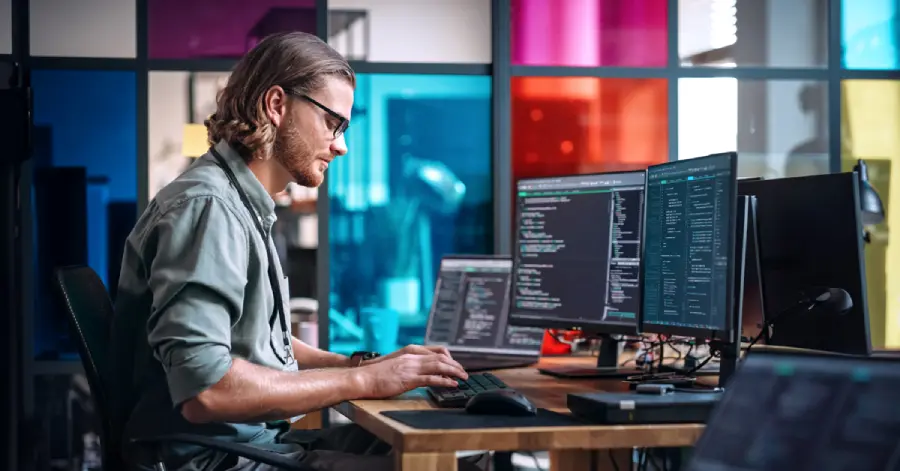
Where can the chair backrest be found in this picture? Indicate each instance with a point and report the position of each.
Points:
(90, 313)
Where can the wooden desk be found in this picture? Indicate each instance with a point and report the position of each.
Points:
(571, 448)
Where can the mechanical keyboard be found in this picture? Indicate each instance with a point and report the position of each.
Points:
(459, 396)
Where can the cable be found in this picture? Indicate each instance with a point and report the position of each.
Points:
(662, 353)
(703, 363)
(759, 337)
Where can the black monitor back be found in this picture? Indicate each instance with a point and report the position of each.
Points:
(810, 235)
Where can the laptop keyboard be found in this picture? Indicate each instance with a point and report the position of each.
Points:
(458, 397)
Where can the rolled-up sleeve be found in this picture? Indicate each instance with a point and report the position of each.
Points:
(197, 277)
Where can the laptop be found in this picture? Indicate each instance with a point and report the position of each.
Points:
(787, 411)
(470, 313)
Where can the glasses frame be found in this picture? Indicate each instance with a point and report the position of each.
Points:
(343, 123)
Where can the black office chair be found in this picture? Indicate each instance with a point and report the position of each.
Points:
(90, 313)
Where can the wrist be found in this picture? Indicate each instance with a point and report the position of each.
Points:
(348, 361)
(360, 383)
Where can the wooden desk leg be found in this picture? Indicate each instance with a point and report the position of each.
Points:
(580, 460)
(425, 461)
(312, 421)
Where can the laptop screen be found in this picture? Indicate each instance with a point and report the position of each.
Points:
(470, 311)
(786, 412)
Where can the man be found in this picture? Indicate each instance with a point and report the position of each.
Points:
(199, 341)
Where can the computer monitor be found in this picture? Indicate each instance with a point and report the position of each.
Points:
(689, 240)
(787, 412)
(747, 318)
(810, 236)
(470, 315)
(577, 258)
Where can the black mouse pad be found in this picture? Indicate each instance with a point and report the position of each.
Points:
(458, 419)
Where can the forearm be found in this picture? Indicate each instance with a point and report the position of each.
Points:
(311, 357)
(253, 393)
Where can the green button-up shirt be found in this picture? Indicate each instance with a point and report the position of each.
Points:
(194, 293)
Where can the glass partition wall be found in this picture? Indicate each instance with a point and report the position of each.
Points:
(455, 102)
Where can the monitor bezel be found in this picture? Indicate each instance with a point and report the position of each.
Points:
(589, 328)
(726, 333)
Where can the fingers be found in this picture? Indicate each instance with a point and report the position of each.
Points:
(427, 350)
(440, 381)
(440, 350)
(446, 367)
(455, 364)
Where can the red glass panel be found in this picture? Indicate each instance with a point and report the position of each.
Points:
(572, 125)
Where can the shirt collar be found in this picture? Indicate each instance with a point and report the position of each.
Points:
(256, 193)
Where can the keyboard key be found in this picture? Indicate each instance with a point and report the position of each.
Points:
(459, 396)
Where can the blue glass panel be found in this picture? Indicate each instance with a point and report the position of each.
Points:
(870, 34)
(85, 164)
(415, 185)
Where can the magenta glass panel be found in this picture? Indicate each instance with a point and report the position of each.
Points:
(589, 33)
(191, 29)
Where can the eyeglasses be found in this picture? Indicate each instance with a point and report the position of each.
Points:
(343, 123)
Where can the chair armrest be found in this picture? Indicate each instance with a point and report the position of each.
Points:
(256, 454)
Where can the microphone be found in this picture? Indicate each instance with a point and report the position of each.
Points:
(829, 300)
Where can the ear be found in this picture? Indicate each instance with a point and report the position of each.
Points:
(275, 102)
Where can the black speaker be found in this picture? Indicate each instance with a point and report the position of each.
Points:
(16, 105)
(60, 202)
(121, 218)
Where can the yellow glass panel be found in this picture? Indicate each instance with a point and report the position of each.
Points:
(870, 121)
(193, 143)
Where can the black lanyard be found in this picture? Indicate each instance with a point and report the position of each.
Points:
(273, 275)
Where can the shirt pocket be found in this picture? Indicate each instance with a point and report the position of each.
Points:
(284, 353)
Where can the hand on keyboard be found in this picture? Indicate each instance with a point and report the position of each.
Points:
(398, 375)
(412, 350)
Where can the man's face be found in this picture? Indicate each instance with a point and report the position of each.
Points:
(305, 142)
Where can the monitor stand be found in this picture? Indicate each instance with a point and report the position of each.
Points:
(688, 364)
(607, 364)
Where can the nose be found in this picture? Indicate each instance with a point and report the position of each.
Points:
(339, 146)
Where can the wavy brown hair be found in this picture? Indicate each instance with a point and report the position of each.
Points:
(296, 61)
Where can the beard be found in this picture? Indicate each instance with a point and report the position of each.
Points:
(296, 156)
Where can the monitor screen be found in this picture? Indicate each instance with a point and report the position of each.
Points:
(471, 308)
(577, 252)
(786, 412)
(689, 242)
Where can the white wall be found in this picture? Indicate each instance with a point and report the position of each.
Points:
(83, 28)
(707, 116)
(704, 25)
(455, 31)
(167, 115)
(762, 120)
(711, 120)
(5, 26)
